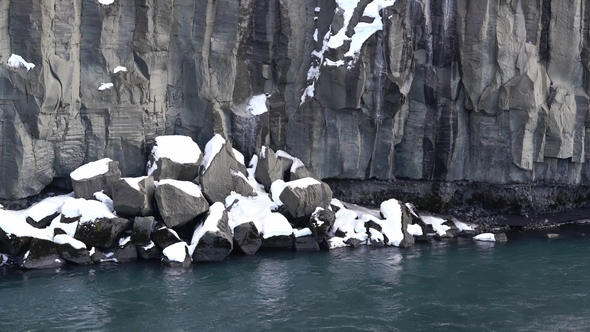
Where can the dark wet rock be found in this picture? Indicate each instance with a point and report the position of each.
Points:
(213, 240)
(41, 254)
(247, 238)
(501, 237)
(125, 251)
(134, 197)
(376, 238)
(306, 243)
(86, 187)
(142, 230)
(164, 236)
(79, 254)
(13, 244)
(320, 223)
(179, 202)
(281, 241)
(223, 173)
(150, 251)
(354, 242)
(466, 233)
(102, 232)
(303, 196)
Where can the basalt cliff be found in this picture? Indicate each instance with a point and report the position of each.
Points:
(440, 92)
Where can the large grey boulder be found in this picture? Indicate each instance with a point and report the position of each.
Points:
(101, 232)
(303, 196)
(72, 250)
(247, 238)
(179, 202)
(174, 157)
(142, 230)
(269, 168)
(212, 240)
(94, 177)
(164, 236)
(222, 173)
(41, 254)
(134, 196)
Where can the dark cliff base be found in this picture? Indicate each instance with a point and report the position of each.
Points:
(512, 204)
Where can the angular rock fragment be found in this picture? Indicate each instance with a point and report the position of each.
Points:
(212, 241)
(95, 176)
(41, 254)
(268, 169)
(277, 232)
(174, 157)
(164, 236)
(247, 238)
(222, 173)
(304, 240)
(301, 197)
(150, 251)
(72, 250)
(177, 255)
(142, 230)
(134, 196)
(179, 202)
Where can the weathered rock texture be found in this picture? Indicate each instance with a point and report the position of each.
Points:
(491, 91)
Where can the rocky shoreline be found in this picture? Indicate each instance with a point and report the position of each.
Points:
(198, 205)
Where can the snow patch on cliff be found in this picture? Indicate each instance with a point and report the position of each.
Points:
(17, 61)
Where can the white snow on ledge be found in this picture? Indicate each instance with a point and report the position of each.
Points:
(105, 86)
(257, 105)
(119, 69)
(485, 237)
(91, 169)
(106, 2)
(17, 61)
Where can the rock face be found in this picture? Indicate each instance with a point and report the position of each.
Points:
(486, 91)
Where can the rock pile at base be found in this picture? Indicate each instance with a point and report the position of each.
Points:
(195, 207)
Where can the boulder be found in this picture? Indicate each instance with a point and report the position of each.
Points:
(174, 157)
(43, 222)
(501, 237)
(354, 242)
(551, 236)
(222, 173)
(301, 197)
(142, 230)
(150, 251)
(177, 255)
(95, 176)
(395, 226)
(376, 238)
(101, 232)
(41, 254)
(269, 168)
(125, 251)
(12, 243)
(134, 196)
(72, 250)
(276, 232)
(41, 214)
(247, 238)
(212, 241)
(164, 236)
(304, 240)
(320, 223)
(179, 201)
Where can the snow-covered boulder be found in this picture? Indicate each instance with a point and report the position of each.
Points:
(72, 250)
(395, 226)
(41, 214)
(174, 157)
(179, 201)
(134, 196)
(301, 197)
(212, 241)
(277, 232)
(95, 176)
(142, 230)
(222, 173)
(164, 236)
(247, 238)
(41, 254)
(305, 240)
(269, 168)
(177, 255)
(320, 223)
(16, 233)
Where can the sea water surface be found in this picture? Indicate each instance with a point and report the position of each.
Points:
(527, 284)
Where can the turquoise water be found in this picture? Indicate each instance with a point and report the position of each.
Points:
(527, 284)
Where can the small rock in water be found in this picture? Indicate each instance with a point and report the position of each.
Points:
(501, 237)
(551, 236)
